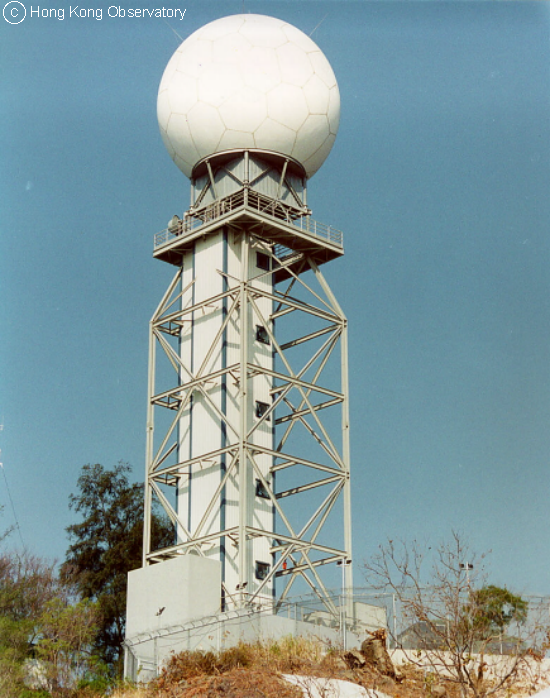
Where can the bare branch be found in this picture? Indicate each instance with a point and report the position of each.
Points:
(454, 621)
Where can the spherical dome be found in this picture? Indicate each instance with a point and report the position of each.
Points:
(248, 82)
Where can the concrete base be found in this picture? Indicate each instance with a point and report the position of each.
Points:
(174, 606)
(167, 595)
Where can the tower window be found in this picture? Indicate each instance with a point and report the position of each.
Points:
(263, 261)
(261, 490)
(261, 335)
(261, 409)
(262, 570)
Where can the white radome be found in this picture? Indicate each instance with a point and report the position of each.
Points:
(248, 81)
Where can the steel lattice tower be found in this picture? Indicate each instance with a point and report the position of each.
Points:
(248, 412)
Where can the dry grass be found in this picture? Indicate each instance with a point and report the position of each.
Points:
(253, 671)
(131, 693)
(290, 655)
(234, 683)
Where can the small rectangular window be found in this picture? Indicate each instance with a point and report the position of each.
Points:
(261, 409)
(263, 261)
(262, 570)
(261, 490)
(261, 335)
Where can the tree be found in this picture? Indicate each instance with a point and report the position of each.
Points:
(44, 632)
(107, 544)
(492, 609)
(64, 648)
(450, 615)
(28, 585)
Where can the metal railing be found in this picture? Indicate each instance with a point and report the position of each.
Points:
(248, 198)
(308, 608)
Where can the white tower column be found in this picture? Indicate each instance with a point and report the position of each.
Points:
(218, 342)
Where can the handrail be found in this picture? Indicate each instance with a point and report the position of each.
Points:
(257, 202)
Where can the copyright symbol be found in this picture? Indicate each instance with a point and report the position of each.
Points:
(14, 12)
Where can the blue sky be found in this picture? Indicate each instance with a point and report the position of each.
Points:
(439, 179)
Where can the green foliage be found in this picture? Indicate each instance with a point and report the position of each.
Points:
(107, 544)
(98, 680)
(45, 636)
(11, 673)
(14, 637)
(27, 584)
(66, 634)
(34, 693)
(491, 609)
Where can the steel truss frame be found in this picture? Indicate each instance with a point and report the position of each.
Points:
(300, 397)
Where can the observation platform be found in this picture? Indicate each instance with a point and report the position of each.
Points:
(291, 231)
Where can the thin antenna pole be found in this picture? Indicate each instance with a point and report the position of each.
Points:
(172, 28)
(318, 25)
(17, 526)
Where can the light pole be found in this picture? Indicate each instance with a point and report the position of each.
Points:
(468, 567)
(343, 600)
